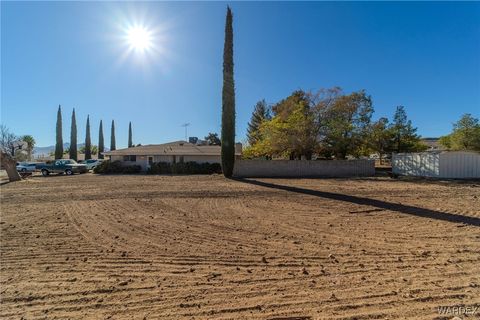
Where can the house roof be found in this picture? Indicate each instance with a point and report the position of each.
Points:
(181, 148)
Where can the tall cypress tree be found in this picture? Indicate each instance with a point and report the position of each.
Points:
(88, 141)
(101, 144)
(130, 142)
(73, 137)
(59, 141)
(228, 101)
(112, 137)
(260, 114)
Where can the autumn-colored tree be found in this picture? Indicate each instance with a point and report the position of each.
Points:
(330, 124)
(273, 142)
(294, 131)
(297, 127)
(291, 133)
(346, 125)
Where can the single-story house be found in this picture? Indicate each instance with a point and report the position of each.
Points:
(173, 152)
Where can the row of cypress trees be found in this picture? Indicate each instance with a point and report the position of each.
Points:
(88, 141)
(228, 114)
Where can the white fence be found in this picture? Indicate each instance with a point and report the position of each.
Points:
(303, 168)
(459, 165)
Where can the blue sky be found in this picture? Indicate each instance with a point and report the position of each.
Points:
(424, 55)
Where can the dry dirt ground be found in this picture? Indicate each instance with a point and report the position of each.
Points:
(203, 247)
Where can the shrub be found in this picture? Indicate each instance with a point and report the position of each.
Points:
(108, 167)
(184, 168)
(102, 167)
(160, 168)
(131, 169)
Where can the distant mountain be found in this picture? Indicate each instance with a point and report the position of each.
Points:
(45, 151)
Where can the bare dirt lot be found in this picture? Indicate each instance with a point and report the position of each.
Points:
(203, 247)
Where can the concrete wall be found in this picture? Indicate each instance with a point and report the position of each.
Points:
(303, 168)
(455, 165)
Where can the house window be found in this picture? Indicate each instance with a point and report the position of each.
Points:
(180, 159)
(130, 158)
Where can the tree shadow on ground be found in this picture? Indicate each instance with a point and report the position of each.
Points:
(406, 209)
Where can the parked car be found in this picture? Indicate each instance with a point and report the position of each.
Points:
(26, 166)
(91, 163)
(67, 166)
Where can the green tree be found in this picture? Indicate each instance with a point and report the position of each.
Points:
(228, 100)
(101, 147)
(259, 114)
(404, 137)
(346, 125)
(329, 123)
(297, 127)
(380, 137)
(446, 141)
(73, 137)
(59, 138)
(112, 137)
(88, 141)
(130, 142)
(213, 139)
(30, 141)
(291, 133)
(294, 133)
(93, 148)
(465, 134)
(273, 140)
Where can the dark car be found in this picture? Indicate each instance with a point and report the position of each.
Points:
(67, 166)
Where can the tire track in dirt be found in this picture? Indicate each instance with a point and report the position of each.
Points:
(205, 247)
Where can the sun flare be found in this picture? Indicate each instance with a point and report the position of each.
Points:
(139, 38)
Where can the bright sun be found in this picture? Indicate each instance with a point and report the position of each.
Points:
(139, 38)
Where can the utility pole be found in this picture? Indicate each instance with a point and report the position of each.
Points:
(185, 125)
